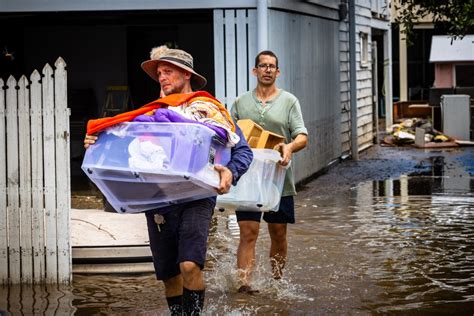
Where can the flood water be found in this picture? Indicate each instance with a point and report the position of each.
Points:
(401, 246)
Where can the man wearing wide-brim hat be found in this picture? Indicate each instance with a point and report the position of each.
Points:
(173, 57)
(178, 233)
(174, 70)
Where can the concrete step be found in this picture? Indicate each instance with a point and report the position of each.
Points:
(105, 242)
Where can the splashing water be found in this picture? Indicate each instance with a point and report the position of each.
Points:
(222, 282)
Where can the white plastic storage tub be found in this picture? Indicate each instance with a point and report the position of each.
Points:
(144, 166)
(260, 188)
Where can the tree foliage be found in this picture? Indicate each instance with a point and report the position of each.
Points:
(455, 17)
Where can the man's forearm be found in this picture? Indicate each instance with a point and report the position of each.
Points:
(241, 157)
(298, 143)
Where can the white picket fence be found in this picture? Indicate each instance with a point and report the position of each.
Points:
(35, 178)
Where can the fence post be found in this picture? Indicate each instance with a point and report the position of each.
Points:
(37, 205)
(13, 214)
(25, 180)
(3, 192)
(63, 191)
(50, 179)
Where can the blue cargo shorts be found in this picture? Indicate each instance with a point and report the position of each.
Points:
(285, 214)
(183, 236)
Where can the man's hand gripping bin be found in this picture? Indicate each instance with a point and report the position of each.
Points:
(260, 188)
(143, 166)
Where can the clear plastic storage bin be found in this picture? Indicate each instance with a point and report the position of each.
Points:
(260, 188)
(143, 166)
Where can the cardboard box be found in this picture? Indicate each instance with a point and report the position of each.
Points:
(257, 137)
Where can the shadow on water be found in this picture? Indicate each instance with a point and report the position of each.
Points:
(400, 246)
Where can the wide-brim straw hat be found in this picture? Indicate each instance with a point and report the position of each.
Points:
(176, 57)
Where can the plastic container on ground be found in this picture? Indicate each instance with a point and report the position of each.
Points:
(260, 188)
(144, 166)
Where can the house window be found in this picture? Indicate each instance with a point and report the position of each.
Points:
(464, 76)
(364, 49)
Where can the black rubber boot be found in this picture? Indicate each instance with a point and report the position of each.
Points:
(175, 304)
(193, 302)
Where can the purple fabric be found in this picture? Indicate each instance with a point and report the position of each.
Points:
(166, 115)
(222, 133)
(144, 118)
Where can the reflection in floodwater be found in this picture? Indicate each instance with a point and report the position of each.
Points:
(444, 177)
(421, 251)
(37, 300)
(118, 295)
(88, 295)
(398, 246)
